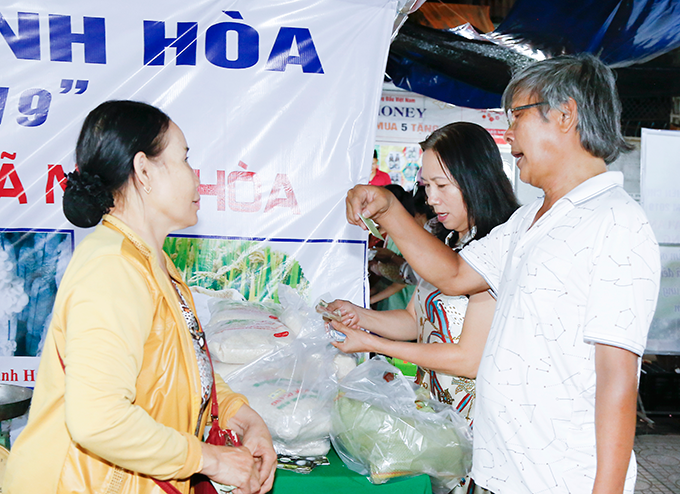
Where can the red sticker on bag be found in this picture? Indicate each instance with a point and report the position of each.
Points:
(283, 334)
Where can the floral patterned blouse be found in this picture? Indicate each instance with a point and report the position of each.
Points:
(440, 320)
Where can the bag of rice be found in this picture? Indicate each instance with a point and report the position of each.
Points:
(240, 332)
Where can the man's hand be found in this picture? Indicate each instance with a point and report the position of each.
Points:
(372, 202)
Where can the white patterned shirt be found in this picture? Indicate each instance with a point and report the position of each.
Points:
(587, 272)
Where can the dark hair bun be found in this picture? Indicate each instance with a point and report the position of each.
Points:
(86, 199)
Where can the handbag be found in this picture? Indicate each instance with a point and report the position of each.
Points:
(216, 436)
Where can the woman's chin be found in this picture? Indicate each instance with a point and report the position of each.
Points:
(448, 224)
(194, 221)
(190, 221)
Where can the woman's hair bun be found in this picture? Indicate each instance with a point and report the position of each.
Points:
(86, 199)
(111, 136)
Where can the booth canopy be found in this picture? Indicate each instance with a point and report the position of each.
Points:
(630, 36)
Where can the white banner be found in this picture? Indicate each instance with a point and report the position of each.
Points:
(659, 192)
(660, 197)
(278, 102)
(664, 333)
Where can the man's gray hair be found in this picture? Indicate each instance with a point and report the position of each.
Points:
(591, 84)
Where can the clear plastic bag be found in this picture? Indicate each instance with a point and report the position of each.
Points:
(383, 427)
(292, 388)
(240, 332)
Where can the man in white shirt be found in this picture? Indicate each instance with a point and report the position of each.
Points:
(576, 276)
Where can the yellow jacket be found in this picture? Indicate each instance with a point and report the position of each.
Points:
(126, 406)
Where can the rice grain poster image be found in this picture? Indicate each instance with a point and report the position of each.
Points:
(278, 102)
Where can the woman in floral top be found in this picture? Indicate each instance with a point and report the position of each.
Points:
(468, 190)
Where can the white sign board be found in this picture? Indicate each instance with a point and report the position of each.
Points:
(660, 197)
(277, 100)
(664, 333)
(659, 187)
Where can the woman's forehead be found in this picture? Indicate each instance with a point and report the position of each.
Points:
(434, 168)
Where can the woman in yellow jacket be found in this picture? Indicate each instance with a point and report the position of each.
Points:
(123, 389)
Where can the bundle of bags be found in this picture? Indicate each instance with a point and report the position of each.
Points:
(292, 386)
(309, 394)
(383, 426)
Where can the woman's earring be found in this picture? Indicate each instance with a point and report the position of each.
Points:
(147, 190)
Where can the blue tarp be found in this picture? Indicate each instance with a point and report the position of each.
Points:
(621, 33)
(474, 73)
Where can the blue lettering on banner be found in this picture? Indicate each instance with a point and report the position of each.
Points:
(247, 47)
(234, 14)
(155, 43)
(34, 104)
(280, 56)
(67, 85)
(26, 43)
(292, 46)
(4, 91)
(216, 46)
(93, 37)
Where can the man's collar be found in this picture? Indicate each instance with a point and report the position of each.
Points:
(594, 186)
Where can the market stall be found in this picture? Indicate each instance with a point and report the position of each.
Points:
(255, 89)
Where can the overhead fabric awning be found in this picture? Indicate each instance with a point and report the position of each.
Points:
(473, 73)
(621, 33)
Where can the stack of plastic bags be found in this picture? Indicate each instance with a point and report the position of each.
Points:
(292, 387)
(384, 427)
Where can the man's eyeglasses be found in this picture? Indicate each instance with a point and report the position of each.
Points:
(510, 112)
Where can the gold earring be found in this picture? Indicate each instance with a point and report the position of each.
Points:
(147, 190)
